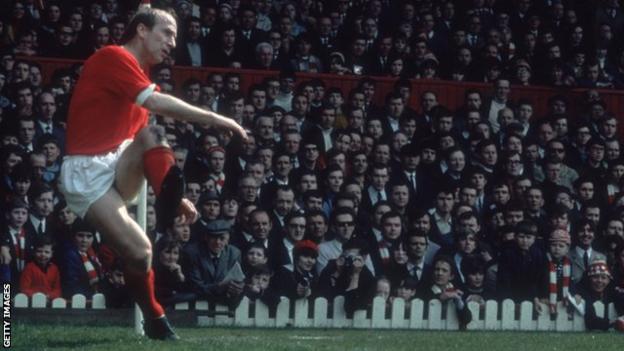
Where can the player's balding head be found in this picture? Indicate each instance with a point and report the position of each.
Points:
(148, 17)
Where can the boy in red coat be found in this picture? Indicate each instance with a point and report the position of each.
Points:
(41, 275)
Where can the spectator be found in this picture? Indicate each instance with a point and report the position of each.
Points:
(208, 265)
(81, 270)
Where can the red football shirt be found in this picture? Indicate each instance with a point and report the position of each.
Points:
(103, 110)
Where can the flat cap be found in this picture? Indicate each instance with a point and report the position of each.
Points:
(218, 227)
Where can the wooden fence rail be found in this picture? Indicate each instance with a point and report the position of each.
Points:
(415, 314)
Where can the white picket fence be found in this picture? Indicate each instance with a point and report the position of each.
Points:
(413, 315)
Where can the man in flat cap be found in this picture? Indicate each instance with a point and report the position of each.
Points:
(209, 264)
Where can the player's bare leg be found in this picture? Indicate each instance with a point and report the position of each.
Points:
(149, 156)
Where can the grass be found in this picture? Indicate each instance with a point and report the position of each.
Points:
(57, 337)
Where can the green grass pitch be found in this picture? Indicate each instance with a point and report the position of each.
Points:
(58, 337)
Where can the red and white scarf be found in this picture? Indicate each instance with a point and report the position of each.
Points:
(219, 181)
(90, 261)
(19, 243)
(437, 290)
(553, 281)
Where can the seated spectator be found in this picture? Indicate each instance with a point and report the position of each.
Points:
(208, 264)
(41, 275)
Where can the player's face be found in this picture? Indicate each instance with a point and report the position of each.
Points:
(161, 39)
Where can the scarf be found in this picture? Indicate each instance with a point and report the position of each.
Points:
(437, 290)
(553, 285)
(19, 243)
(91, 265)
(219, 181)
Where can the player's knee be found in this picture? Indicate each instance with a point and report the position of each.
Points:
(152, 135)
(140, 259)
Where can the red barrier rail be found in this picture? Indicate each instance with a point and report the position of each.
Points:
(450, 94)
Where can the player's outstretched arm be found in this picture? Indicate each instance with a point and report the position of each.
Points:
(170, 106)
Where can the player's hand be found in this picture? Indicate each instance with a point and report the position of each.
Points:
(187, 212)
(240, 131)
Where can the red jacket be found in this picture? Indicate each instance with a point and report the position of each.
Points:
(33, 279)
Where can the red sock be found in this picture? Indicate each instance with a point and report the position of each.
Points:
(142, 288)
(156, 163)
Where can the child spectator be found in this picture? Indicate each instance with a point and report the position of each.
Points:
(41, 275)
(558, 277)
(257, 285)
(383, 289)
(255, 257)
(475, 289)
(113, 286)
(179, 231)
(406, 290)
(169, 280)
(597, 286)
(81, 270)
(521, 266)
(16, 241)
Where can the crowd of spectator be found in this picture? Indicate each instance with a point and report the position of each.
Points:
(332, 194)
(563, 43)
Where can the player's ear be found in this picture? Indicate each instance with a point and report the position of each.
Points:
(142, 30)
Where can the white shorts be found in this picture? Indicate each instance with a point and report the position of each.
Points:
(86, 178)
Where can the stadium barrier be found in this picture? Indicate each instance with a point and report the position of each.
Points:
(450, 93)
(416, 314)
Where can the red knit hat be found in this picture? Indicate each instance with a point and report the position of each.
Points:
(560, 235)
(598, 268)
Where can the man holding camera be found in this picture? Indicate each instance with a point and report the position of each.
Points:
(348, 276)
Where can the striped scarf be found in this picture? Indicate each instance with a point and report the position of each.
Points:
(19, 243)
(553, 281)
(91, 265)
